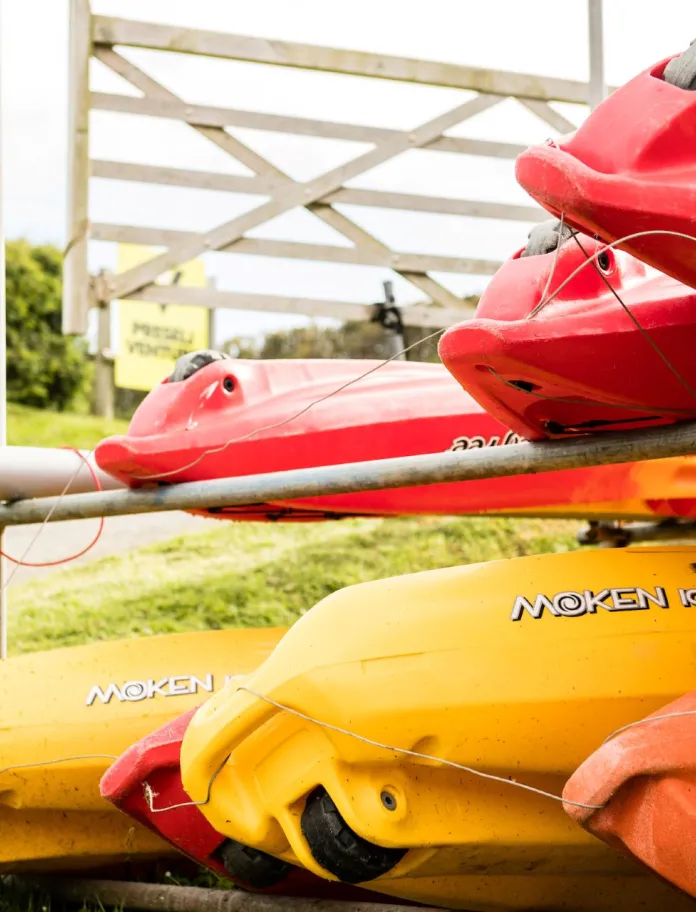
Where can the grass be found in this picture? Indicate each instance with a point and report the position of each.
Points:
(237, 574)
(37, 427)
(243, 575)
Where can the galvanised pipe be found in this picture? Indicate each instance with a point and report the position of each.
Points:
(491, 462)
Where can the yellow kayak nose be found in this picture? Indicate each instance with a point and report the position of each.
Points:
(512, 671)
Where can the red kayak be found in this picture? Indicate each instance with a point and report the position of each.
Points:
(630, 168)
(578, 364)
(234, 418)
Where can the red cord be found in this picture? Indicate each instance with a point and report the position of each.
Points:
(72, 557)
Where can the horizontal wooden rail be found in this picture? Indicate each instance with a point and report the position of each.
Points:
(432, 317)
(298, 250)
(209, 116)
(355, 196)
(109, 31)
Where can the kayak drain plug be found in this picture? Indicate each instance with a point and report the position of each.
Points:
(388, 800)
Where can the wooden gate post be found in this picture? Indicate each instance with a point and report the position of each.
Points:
(75, 266)
(104, 391)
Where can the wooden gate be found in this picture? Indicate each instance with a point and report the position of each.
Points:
(99, 36)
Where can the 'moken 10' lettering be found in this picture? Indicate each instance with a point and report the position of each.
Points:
(575, 604)
(149, 688)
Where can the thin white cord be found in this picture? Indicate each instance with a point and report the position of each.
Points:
(21, 766)
(214, 450)
(45, 521)
(409, 753)
(597, 253)
(545, 300)
(675, 715)
(150, 794)
(646, 335)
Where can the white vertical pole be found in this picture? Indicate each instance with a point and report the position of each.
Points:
(597, 87)
(75, 265)
(3, 368)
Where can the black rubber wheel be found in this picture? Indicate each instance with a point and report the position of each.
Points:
(337, 848)
(251, 866)
(187, 365)
(544, 238)
(681, 70)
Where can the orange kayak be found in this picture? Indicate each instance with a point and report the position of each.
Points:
(643, 784)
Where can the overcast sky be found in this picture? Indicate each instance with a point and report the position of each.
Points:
(532, 37)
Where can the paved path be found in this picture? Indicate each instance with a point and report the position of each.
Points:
(121, 533)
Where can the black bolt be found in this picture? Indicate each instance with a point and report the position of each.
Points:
(603, 261)
(388, 800)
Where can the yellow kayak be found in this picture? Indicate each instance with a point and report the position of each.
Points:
(512, 672)
(89, 703)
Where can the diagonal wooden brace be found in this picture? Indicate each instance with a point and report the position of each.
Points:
(292, 195)
(341, 223)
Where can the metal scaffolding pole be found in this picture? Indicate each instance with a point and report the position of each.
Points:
(45, 471)
(598, 89)
(489, 462)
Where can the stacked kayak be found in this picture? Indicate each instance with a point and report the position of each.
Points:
(577, 336)
(390, 737)
(234, 418)
(580, 363)
(627, 174)
(69, 713)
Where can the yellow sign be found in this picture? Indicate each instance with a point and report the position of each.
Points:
(152, 336)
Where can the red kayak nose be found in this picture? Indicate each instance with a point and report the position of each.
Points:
(630, 167)
(146, 778)
(643, 782)
(579, 363)
(236, 417)
(145, 783)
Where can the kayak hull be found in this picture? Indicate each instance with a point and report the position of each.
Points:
(643, 780)
(580, 363)
(84, 706)
(517, 669)
(195, 430)
(628, 169)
